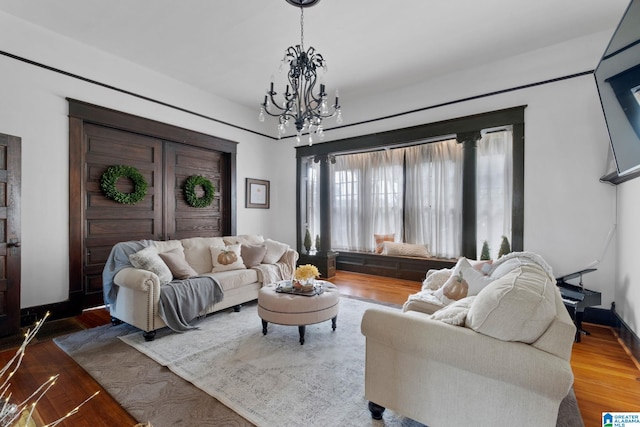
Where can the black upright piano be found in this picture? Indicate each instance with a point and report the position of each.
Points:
(576, 298)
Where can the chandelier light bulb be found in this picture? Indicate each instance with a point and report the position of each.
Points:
(261, 115)
(339, 117)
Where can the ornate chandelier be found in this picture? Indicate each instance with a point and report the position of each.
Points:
(300, 104)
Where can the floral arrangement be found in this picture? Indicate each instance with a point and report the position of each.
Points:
(306, 272)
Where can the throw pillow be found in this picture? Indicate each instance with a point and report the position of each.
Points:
(252, 254)
(227, 258)
(275, 250)
(178, 265)
(436, 279)
(456, 313)
(519, 306)
(503, 266)
(474, 278)
(454, 288)
(148, 259)
(381, 238)
(405, 249)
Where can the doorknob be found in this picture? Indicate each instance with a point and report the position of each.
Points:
(14, 244)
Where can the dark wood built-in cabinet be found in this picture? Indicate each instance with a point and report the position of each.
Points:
(165, 156)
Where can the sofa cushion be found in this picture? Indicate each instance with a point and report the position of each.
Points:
(380, 239)
(148, 259)
(248, 239)
(456, 313)
(519, 306)
(167, 245)
(235, 279)
(423, 302)
(227, 258)
(275, 250)
(198, 254)
(252, 255)
(178, 265)
(405, 249)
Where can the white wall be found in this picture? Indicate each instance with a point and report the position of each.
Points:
(34, 107)
(568, 213)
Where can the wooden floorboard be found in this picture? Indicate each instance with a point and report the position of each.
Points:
(606, 377)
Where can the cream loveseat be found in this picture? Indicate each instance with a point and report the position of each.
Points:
(498, 356)
(133, 294)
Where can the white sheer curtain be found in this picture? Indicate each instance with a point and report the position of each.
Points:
(313, 201)
(367, 199)
(433, 210)
(494, 189)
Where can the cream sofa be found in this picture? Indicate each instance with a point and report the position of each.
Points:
(500, 357)
(133, 294)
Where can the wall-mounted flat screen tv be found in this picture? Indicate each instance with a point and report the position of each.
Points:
(618, 81)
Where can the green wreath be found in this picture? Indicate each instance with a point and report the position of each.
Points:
(190, 191)
(113, 174)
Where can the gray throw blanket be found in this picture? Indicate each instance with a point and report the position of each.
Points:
(118, 259)
(182, 301)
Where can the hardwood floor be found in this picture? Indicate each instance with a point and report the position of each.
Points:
(606, 377)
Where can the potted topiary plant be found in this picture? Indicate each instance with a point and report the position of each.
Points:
(307, 240)
(485, 255)
(317, 242)
(504, 247)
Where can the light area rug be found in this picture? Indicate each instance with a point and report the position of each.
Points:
(270, 380)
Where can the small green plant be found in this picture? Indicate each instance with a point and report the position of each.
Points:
(504, 247)
(485, 255)
(307, 240)
(317, 242)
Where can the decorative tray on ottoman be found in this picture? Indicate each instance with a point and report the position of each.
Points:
(286, 287)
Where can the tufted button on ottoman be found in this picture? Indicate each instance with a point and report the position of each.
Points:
(298, 310)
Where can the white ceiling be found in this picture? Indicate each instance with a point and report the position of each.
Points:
(232, 48)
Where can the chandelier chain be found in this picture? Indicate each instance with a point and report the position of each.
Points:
(302, 28)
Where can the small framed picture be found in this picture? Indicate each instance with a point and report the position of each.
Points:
(257, 193)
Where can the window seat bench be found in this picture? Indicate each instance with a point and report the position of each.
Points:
(400, 267)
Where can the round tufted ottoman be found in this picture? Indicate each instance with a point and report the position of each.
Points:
(298, 310)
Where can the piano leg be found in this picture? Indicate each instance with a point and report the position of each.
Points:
(578, 322)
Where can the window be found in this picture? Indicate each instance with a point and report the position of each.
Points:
(416, 185)
(415, 193)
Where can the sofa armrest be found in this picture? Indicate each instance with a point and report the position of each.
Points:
(138, 280)
(462, 348)
(290, 258)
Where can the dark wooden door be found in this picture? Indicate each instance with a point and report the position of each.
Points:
(108, 222)
(10, 180)
(182, 220)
